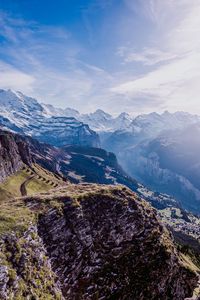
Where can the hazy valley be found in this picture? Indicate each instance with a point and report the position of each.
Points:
(74, 224)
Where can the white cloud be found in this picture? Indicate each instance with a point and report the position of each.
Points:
(11, 77)
(157, 67)
(174, 76)
(147, 56)
(43, 63)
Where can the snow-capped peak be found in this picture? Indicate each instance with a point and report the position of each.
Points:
(17, 102)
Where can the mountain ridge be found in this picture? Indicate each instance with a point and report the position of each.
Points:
(99, 120)
(25, 115)
(77, 238)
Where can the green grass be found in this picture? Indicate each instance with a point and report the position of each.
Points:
(11, 187)
(15, 216)
(36, 185)
(4, 195)
(42, 181)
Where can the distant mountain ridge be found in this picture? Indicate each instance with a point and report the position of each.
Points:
(26, 115)
(99, 120)
(18, 109)
(132, 140)
(145, 124)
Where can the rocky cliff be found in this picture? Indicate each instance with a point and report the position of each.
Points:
(13, 153)
(78, 164)
(91, 242)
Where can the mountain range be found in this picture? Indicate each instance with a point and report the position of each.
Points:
(140, 143)
(25, 115)
(74, 224)
(49, 225)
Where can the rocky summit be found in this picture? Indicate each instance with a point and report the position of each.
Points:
(89, 241)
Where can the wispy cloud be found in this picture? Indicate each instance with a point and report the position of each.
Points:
(174, 76)
(147, 56)
(146, 60)
(11, 77)
(43, 62)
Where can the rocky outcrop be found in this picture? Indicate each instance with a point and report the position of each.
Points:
(25, 270)
(106, 243)
(13, 153)
(89, 242)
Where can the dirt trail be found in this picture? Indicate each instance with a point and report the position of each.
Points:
(23, 186)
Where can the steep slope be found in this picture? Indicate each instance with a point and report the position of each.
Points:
(25, 115)
(90, 242)
(28, 181)
(12, 154)
(78, 164)
(48, 167)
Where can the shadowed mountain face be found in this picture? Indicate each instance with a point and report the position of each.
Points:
(78, 164)
(162, 152)
(169, 163)
(73, 163)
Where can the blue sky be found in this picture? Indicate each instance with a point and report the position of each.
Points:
(119, 55)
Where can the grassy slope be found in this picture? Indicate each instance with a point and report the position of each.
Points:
(42, 181)
(14, 214)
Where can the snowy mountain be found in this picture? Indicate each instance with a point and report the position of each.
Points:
(50, 110)
(147, 126)
(144, 125)
(98, 121)
(152, 124)
(25, 115)
(101, 121)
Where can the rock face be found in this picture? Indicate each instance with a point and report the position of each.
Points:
(25, 271)
(105, 243)
(61, 131)
(13, 153)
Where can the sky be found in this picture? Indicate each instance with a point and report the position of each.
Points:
(136, 56)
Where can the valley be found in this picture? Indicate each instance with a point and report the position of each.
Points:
(71, 213)
(99, 150)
